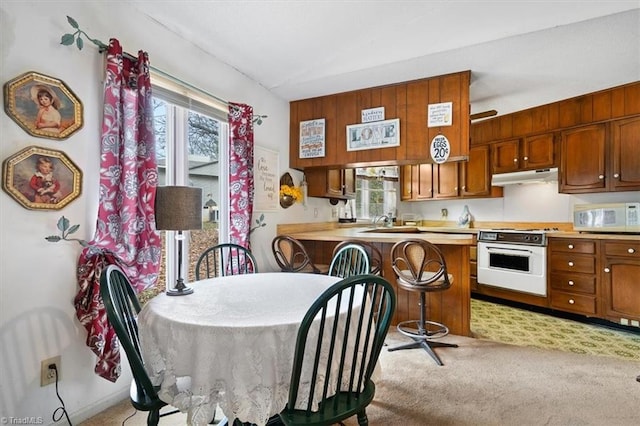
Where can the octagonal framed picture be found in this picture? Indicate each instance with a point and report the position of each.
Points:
(43, 106)
(41, 179)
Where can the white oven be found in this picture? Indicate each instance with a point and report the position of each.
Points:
(513, 260)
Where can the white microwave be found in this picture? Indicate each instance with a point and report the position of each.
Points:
(612, 217)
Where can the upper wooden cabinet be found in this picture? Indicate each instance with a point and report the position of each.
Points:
(601, 157)
(331, 183)
(528, 153)
(464, 179)
(406, 101)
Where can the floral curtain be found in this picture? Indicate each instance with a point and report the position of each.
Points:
(240, 173)
(125, 229)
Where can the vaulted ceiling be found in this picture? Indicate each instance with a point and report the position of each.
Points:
(521, 53)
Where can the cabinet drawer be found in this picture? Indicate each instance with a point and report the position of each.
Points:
(574, 282)
(571, 302)
(562, 262)
(572, 246)
(622, 249)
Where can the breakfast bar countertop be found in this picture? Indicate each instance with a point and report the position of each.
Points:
(388, 235)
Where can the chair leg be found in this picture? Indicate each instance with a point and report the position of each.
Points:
(153, 417)
(363, 420)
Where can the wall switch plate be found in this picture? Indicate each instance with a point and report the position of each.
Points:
(48, 375)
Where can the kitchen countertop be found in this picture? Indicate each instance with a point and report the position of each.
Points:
(384, 236)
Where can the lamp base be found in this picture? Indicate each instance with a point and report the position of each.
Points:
(179, 292)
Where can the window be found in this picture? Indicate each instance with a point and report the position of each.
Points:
(376, 189)
(191, 131)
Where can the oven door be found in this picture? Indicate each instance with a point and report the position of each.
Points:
(513, 267)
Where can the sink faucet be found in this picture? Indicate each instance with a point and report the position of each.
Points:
(388, 223)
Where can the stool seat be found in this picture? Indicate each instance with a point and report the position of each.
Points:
(420, 267)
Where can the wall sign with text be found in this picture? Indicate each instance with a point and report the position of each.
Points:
(440, 149)
(266, 180)
(439, 115)
(312, 140)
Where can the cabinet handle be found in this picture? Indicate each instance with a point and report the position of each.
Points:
(515, 160)
(631, 251)
(571, 283)
(464, 187)
(600, 177)
(571, 301)
(607, 270)
(570, 246)
(616, 175)
(570, 263)
(526, 158)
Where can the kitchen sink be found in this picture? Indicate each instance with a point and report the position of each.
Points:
(396, 230)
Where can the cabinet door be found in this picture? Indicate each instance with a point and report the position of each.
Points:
(406, 181)
(325, 183)
(349, 182)
(424, 180)
(334, 183)
(625, 155)
(538, 152)
(445, 180)
(583, 159)
(505, 156)
(621, 289)
(475, 178)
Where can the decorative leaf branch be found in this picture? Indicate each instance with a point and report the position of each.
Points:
(66, 229)
(259, 224)
(68, 39)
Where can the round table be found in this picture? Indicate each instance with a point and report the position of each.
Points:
(232, 341)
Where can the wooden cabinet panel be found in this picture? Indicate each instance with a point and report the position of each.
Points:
(573, 282)
(505, 156)
(416, 182)
(557, 245)
(621, 289)
(331, 183)
(445, 180)
(573, 263)
(532, 152)
(475, 174)
(583, 159)
(625, 155)
(573, 302)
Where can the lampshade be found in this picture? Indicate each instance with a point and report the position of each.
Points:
(178, 208)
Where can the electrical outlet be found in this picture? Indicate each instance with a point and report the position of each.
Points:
(48, 375)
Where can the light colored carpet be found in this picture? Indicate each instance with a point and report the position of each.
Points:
(485, 383)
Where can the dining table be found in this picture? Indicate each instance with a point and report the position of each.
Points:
(229, 344)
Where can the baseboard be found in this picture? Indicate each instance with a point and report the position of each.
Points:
(97, 407)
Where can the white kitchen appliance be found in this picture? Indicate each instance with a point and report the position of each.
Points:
(611, 217)
(513, 260)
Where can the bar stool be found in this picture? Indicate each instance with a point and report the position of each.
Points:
(420, 267)
(291, 256)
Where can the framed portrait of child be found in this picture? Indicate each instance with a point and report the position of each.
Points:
(41, 179)
(43, 106)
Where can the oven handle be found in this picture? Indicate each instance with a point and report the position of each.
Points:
(507, 250)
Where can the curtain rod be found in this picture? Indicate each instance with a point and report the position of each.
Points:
(69, 39)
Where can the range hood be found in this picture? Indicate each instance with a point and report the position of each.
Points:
(529, 176)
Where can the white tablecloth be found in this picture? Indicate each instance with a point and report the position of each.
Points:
(234, 337)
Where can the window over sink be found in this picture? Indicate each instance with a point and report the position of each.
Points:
(376, 190)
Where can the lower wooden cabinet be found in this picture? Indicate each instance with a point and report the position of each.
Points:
(572, 275)
(621, 282)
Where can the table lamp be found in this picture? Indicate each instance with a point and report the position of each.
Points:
(178, 208)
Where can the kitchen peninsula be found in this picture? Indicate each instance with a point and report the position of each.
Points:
(451, 307)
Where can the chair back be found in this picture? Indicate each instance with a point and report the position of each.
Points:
(419, 263)
(291, 255)
(337, 349)
(349, 260)
(375, 255)
(225, 259)
(122, 307)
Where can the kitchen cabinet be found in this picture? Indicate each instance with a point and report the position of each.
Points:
(601, 157)
(416, 182)
(464, 179)
(572, 275)
(621, 287)
(527, 153)
(473, 267)
(331, 183)
(407, 101)
(625, 155)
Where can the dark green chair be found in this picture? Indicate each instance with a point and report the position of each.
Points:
(375, 255)
(122, 307)
(349, 260)
(347, 390)
(225, 259)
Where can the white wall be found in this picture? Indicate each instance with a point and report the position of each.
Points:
(37, 278)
